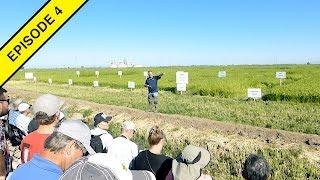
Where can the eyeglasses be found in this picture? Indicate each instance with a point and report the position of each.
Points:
(6, 100)
(83, 149)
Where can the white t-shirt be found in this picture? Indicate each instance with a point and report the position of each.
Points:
(106, 138)
(124, 150)
(23, 122)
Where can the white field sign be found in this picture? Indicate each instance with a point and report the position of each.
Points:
(50, 81)
(182, 77)
(28, 75)
(131, 85)
(181, 87)
(222, 74)
(254, 93)
(70, 82)
(281, 75)
(95, 83)
(120, 73)
(145, 73)
(35, 79)
(78, 73)
(97, 73)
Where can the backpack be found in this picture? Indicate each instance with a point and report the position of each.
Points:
(96, 144)
(15, 135)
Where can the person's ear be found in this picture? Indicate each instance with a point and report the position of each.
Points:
(162, 141)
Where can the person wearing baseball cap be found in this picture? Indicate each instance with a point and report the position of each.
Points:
(48, 104)
(23, 119)
(102, 166)
(68, 143)
(33, 143)
(122, 147)
(14, 112)
(100, 138)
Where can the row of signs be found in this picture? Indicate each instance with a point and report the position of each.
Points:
(131, 84)
(182, 79)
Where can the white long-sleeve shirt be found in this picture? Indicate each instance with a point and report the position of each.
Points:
(124, 150)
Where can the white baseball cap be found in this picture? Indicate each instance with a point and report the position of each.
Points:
(48, 104)
(77, 130)
(128, 125)
(23, 106)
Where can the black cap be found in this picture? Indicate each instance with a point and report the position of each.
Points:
(101, 117)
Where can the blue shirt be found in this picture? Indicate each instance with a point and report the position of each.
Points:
(13, 117)
(37, 168)
(152, 83)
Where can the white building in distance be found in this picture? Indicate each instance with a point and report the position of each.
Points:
(123, 64)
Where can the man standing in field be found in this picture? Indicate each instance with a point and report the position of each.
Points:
(152, 85)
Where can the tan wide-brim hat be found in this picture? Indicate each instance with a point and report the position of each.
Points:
(188, 166)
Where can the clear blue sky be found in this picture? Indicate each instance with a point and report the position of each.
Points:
(176, 32)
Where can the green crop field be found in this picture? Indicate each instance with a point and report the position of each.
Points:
(301, 84)
(294, 106)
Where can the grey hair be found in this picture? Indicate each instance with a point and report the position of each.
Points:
(57, 142)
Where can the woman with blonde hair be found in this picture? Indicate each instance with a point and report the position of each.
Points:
(152, 159)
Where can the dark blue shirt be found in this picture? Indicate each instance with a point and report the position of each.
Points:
(37, 168)
(152, 83)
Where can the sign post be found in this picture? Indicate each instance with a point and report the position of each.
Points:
(70, 82)
(120, 73)
(222, 74)
(254, 93)
(50, 81)
(182, 79)
(281, 76)
(28, 76)
(78, 73)
(131, 85)
(95, 83)
(97, 73)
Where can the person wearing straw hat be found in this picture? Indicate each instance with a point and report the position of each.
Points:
(189, 164)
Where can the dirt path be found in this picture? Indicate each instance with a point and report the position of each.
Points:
(197, 124)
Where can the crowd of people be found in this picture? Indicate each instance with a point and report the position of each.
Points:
(53, 147)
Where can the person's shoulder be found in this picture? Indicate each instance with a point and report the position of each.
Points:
(107, 135)
(142, 153)
(22, 171)
(24, 117)
(132, 144)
